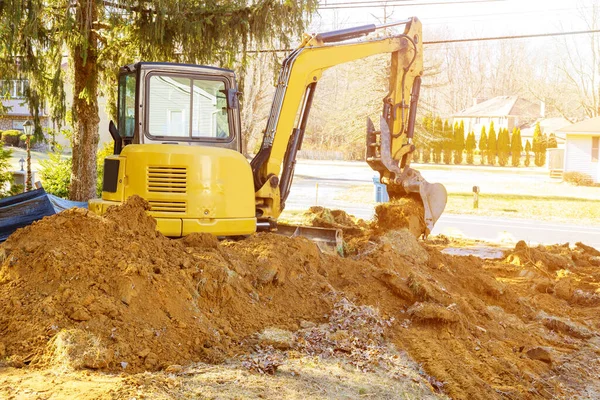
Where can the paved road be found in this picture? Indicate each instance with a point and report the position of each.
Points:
(333, 179)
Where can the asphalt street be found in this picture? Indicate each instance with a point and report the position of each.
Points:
(321, 184)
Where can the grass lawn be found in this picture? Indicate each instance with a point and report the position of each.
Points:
(575, 210)
(551, 208)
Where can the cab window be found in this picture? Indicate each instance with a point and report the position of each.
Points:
(187, 107)
(126, 110)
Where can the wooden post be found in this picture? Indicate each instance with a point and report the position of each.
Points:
(475, 197)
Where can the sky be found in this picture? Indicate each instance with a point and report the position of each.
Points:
(459, 20)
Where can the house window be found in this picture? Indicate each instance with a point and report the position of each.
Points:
(595, 145)
(13, 89)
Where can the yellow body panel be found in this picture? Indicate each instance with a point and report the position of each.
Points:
(189, 188)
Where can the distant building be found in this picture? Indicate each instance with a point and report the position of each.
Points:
(547, 126)
(505, 111)
(13, 91)
(582, 147)
(17, 110)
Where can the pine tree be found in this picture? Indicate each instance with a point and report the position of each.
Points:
(503, 146)
(527, 151)
(516, 147)
(492, 147)
(470, 146)
(543, 147)
(538, 147)
(426, 140)
(483, 144)
(552, 142)
(459, 143)
(100, 36)
(438, 137)
(448, 143)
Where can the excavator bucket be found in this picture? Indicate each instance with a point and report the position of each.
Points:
(433, 196)
(406, 182)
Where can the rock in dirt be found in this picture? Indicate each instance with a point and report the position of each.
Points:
(280, 339)
(431, 312)
(540, 354)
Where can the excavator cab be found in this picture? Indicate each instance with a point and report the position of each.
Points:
(178, 146)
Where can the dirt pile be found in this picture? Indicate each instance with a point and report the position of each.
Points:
(405, 213)
(111, 293)
(143, 300)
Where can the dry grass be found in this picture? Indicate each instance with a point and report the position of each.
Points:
(549, 208)
(529, 206)
(299, 377)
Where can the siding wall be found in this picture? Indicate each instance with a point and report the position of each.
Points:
(578, 156)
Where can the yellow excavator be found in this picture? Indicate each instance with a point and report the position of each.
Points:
(178, 141)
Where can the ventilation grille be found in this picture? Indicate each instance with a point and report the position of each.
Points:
(167, 179)
(167, 206)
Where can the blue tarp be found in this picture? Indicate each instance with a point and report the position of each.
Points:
(23, 209)
(60, 204)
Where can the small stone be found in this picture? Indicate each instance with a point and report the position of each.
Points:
(89, 299)
(267, 273)
(144, 352)
(151, 360)
(540, 354)
(174, 369)
(307, 324)
(80, 314)
(278, 338)
(521, 246)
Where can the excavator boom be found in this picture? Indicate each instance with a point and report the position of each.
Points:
(389, 149)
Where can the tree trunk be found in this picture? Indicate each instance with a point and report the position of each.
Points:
(85, 105)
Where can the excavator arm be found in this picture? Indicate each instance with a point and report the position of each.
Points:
(389, 150)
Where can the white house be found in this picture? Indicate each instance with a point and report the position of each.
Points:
(504, 111)
(547, 126)
(12, 96)
(582, 147)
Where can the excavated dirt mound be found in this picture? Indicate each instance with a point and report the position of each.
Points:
(144, 300)
(403, 213)
(110, 293)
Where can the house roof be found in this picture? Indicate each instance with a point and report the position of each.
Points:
(585, 127)
(502, 106)
(548, 126)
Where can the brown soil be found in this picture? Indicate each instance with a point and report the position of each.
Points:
(359, 235)
(405, 212)
(109, 293)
